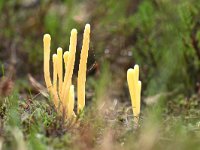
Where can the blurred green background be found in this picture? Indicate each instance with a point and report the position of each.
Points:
(162, 36)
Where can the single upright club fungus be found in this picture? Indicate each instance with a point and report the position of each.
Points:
(70, 65)
(55, 72)
(60, 69)
(47, 43)
(134, 86)
(63, 91)
(83, 68)
(65, 57)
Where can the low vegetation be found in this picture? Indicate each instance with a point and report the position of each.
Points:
(161, 36)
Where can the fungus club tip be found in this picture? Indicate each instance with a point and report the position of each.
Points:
(47, 37)
(66, 54)
(54, 57)
(87, 26)
(136, 66)
(74, 31)
(130, 70)
(59, 50)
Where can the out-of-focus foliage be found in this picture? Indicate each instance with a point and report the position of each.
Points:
(163, 36)
(23, 24)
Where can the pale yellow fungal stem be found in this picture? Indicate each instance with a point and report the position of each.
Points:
(65, 57)
(136, 85)
(55, 72)
(136, 78)
(138, 98)
(137, 105)
(82, 68)
(70, 65)
(70, 105)
(60, 69)
(135, 91)
(132, 88)
(47, 42)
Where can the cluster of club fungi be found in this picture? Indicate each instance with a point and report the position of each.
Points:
(61, 88)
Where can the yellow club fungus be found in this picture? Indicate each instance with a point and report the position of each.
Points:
(65, 57)
(70, 64)
(134, 86)
(47, 44)
(55, 72)
(82, 68)
(62, 90)
(70, 105)
(60, 69)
